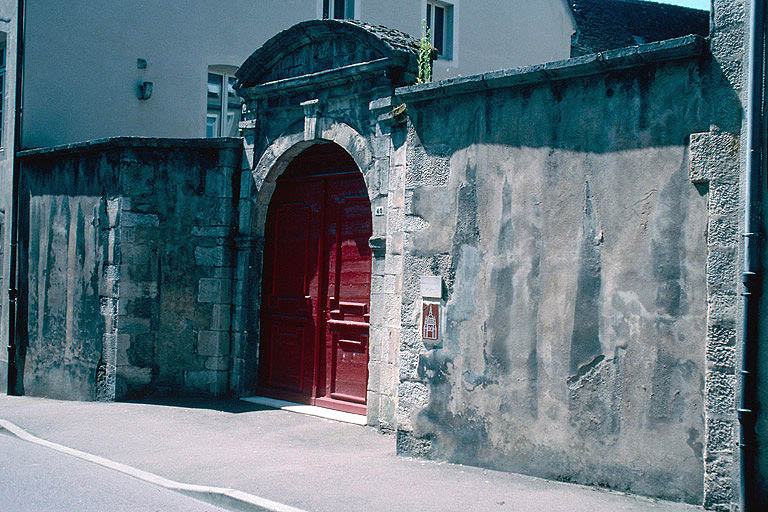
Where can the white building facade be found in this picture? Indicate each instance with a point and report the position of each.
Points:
(85, 59)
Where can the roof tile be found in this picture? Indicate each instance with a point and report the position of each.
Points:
(607, 24)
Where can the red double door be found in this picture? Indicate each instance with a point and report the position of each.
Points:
(317, 283)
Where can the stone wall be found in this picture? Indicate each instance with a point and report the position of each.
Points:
(720, 156)
(8, 26)
(128, 269)
(557, 206)
(583, 217)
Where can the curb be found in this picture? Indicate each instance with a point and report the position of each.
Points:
(229, 498)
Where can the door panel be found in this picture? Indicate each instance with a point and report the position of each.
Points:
(290, 321)
(317, 283)
(286, 354)
(349, 278)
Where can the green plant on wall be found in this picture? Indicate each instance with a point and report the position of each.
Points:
(425, 56)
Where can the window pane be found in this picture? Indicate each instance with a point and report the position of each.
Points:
(232, 97)
(234, 109)
(211, 125)
(224, 106)
(214, 84)
(429, 17)
(439, 28)
(338, 9)
(230, 130)
(214, 91)
(326, 9)
(233, 120)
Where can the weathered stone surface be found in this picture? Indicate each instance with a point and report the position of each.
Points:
(221, 319)
(206, 382)
(117, 235)
(213, 343)
(214, 290)
(212, 256)
(573, 245)
(131, 219)
(218, 182)
(720, 393)
(68, 316)
(699, 151)
(212, 231)
(217, 363)
(719, 490)
(720, 435)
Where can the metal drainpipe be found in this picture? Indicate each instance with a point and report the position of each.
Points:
(13, 387)
(751, 276)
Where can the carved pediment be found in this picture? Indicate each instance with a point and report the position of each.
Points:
(316, 46)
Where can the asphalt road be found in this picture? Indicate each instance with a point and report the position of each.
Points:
(36, 479)
(302, 461)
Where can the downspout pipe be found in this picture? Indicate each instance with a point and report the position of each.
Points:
(14, 387)
(751, 276)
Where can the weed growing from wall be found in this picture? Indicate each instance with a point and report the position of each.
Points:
(425, 56)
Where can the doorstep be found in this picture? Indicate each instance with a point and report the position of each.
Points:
(310, 410)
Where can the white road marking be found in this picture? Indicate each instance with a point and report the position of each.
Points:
(217, 495)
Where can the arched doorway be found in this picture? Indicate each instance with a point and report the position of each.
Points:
(317, 283)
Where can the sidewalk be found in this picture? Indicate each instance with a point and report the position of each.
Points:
(301, 461)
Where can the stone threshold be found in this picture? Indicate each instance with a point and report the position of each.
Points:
(310, 410)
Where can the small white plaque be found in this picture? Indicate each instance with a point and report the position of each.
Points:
(432, 286)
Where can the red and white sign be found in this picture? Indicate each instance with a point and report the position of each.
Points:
(430, 321)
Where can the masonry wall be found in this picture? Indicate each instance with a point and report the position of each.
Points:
(8, 29)
(573, 247)
(723, 154)
(128, 268)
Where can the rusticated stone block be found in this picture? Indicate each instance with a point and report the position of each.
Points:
(214, 290)
(213, 343)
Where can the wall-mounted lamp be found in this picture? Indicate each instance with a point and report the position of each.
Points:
(144, 90)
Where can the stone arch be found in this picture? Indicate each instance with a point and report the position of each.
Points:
(285, 148)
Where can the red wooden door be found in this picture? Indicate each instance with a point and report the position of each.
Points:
(317, 275)
(291, 287)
